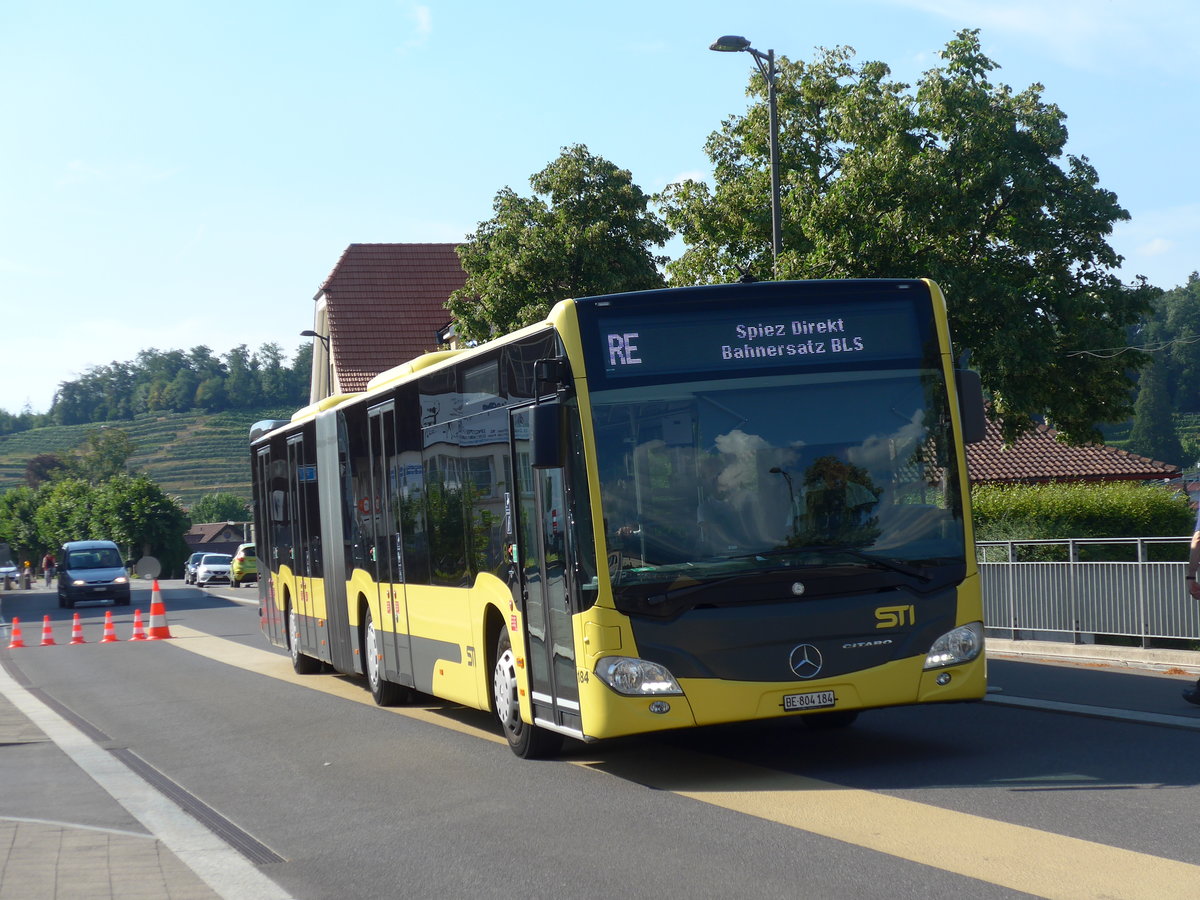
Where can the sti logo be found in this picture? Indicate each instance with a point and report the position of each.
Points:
(622, 351)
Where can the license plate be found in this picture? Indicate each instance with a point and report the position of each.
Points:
(811, 700)
(99, 590)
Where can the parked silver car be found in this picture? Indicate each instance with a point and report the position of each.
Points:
(213, 568)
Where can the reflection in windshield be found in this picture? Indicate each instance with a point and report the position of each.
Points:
(708, 478)
(100, 558)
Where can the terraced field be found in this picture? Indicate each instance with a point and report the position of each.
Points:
(189, 454)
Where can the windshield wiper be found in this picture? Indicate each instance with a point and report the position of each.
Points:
(881, 561)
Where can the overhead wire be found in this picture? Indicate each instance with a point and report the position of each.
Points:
(1111, 352)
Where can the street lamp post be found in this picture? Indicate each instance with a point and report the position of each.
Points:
(732, 43)
(328, 359)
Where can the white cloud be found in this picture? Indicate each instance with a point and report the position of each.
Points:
(422, 18)
(1083, 34)
(1156, 247)
(1160, 244)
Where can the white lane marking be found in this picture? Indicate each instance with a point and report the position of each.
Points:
(217, 864)
(1096, 712)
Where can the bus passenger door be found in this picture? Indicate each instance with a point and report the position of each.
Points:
(541, 564)
(295, 554)
(267, 517)
(391, 610)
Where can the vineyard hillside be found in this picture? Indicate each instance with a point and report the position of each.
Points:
(188, 454)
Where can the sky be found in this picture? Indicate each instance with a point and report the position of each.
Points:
(176, 173)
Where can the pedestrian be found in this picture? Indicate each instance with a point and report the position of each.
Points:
(48, 566)
(1192, 695)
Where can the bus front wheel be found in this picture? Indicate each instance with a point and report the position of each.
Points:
(526, 740)
(386, 693)
(301, 663)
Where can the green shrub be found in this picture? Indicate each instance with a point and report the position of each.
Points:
(1075, 510)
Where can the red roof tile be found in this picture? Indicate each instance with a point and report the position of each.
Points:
(386, 304)
(1038, 456)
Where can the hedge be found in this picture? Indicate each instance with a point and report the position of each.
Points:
(1062, 510)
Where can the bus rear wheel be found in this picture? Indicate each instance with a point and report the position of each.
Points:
(526, 740)
(386, 693)
(301, 663)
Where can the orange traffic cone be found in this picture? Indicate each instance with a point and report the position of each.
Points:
(139, 633)
(16, 635)
(77, 631)
(110, 633)
(47, 634)
(159, 629)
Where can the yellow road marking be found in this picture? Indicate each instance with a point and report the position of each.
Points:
(1014, 856)
(264, 662)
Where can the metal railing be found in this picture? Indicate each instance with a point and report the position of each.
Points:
(1051, 590)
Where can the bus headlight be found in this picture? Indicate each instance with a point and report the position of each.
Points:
(636, 677)
(961, 645)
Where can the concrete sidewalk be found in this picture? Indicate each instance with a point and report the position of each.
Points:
(62, 836)
(1148, 659)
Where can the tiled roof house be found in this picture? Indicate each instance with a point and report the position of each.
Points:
(382, 305)
(1037, 456)
(216, 537)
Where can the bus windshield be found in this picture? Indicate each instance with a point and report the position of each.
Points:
(702, 480)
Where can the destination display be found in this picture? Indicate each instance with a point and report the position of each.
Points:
(759, 338)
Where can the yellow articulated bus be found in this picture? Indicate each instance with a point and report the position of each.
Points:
(653, 510)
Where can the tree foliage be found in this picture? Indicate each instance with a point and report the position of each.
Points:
(44, 467)
(136, 513)
(586, 230)
(104, 454)
(220, 507)
(64, 513)
(176, 381)
(1153, 432)
(131, 510)
(1173, 332)
(959, 180)
(18, 520)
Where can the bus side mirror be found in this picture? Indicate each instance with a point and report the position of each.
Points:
(551, 371)
(970, 405)
(546, 439)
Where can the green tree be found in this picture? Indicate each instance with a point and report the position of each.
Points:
(961, 181)
(44, 467)
(64, 513)
(1153, 432)
(273, 376)
(18, 522)
(220, 507)
(1173, 332)
(136, 513)
(105, 453)
(587, 230)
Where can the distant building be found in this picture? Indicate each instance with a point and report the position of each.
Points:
(382, 305)
(217, 537)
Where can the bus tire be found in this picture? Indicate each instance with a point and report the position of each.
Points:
(301, 663)
(386, 693)
(525, 739)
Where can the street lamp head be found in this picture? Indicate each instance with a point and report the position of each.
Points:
(730, 43)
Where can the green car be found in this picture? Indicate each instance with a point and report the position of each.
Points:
(244, 566)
